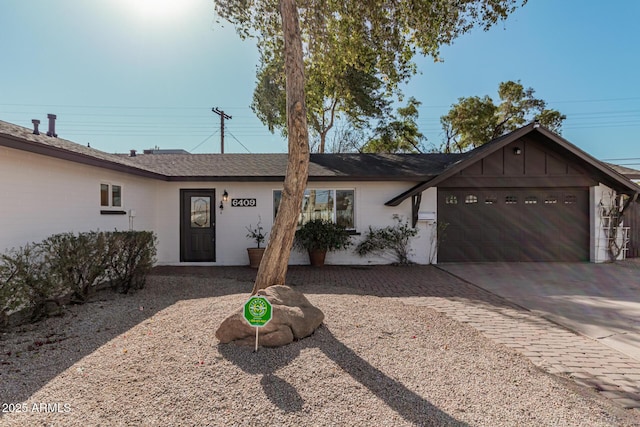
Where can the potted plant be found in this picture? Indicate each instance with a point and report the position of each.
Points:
(258, 235)
(320, 236)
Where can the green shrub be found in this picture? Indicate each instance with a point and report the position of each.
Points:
(25, 281)
(69, 265)
(392, 240)
(130, 257)
(13, 293)
(322, 235)
(77, 262)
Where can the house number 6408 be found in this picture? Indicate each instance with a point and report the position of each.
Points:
(243, 202)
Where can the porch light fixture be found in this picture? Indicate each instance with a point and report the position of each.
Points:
(225, 196)
(517, 151)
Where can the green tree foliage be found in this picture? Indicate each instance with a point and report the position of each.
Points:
(475, 121)
(333, 89)
(358, 34)
(400, 135)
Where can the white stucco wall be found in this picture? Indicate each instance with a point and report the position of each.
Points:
(41, 196)
(231, 222)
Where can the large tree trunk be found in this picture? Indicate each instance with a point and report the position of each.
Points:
(273, 267)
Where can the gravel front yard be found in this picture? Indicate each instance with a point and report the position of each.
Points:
(151, 359)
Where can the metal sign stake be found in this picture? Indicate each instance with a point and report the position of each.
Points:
(256, 350)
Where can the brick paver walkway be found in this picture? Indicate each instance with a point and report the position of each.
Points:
(549, 346)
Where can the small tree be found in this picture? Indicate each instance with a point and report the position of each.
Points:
(393, 239)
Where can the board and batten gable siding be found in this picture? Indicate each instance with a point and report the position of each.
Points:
(42, 196)
(536, 165)
(231, 222)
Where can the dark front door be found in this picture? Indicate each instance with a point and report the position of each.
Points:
(197, 226)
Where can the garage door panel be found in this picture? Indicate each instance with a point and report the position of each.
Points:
(542, 224)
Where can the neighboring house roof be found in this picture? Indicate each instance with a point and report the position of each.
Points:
(628, 172)
(605, 173)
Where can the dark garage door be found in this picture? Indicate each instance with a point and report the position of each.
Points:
(514, 224)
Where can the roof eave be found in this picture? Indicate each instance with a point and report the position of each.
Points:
(619, 180)
(13, 142)
(280, 178)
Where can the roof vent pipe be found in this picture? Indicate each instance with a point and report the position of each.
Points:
(52, 125)
(132, 153)
(36, 123)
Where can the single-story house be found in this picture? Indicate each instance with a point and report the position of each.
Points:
(526, 196)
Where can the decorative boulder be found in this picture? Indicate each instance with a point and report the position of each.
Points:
(293, 317)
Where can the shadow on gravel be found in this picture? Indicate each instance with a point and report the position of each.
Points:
(411, 406)
(25, 370)
(24, 350)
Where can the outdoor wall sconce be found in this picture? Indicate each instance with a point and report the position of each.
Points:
(225, 198)
(517, 151)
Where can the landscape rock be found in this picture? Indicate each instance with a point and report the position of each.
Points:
(293, 318)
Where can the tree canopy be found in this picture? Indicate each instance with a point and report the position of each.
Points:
(474, 121)
(367, 33)
(400, 135)
(334, 89)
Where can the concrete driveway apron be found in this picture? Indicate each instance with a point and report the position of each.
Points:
(600, 301)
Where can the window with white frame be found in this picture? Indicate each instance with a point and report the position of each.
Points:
(331, 205)
(110, 195)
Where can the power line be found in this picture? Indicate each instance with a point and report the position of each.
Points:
(234, 137)
(203, 141)
(582, 101)
(118, 107)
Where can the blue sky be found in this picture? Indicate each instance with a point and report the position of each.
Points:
(123, 74)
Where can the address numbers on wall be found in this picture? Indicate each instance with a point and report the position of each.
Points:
(244, 203)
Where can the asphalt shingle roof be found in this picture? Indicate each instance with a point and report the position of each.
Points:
(273, 166)
(235, 166)
(16, 132)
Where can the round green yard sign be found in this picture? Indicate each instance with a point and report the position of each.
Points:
(257, 311)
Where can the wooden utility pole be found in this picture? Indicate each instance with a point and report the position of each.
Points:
(222, 117)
